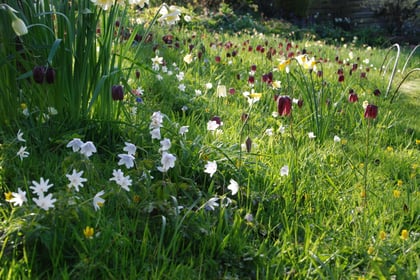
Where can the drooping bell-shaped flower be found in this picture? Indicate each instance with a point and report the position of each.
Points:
(38, 73)
(371, 111)
(117, 92)
(50, 75)
(353, 97)
(18, 25)
(284, 105)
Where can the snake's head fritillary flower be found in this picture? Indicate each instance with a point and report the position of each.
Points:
(50, 75)
(353, 97)
(38, 74)
(284, 105)
(117, 92)
(371, 111)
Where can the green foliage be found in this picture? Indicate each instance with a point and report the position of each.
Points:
(347, 207)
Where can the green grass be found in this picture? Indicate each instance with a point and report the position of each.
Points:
(340, 213)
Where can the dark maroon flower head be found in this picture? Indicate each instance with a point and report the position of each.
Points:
(268, 78)
(50, 75)
(258, 48)
(244, 117)
(217, 59)
(217, 119)
(377, 92)
(232, 91)
(137, 74)
(354, 68)
(250, 48)
(117, 92)
(351, 91)
(284, 105)
(353, 97)
(319, 73)
(340, 71)
(117, 23)
(371, 111)
(238, 76)
(288, 46)
(168, 39)
(262, 50)
(251, 79)
(38, 73)
(138, 38)
(200, 55)
(363, 75)
(190, 47)
(234, 53)
(341, 78)
(300, 103)
(253, 68)
(248, 144)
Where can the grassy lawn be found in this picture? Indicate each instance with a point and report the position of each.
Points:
(160, 146)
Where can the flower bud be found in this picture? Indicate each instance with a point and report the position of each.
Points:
(19, 26)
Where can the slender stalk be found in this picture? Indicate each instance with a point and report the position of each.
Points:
(365, 167)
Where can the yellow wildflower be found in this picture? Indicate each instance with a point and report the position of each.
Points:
(136, 198)
(88, 232)
(255, 95)
(389, 149)
(396, 193)
(343, 141)
(404, 234)
(417, 141)
(283, 64)
(8, 196)
(382, 235)
(371, 250)
(399, 183)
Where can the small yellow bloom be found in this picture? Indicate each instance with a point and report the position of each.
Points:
(361, 165)
(283, 64)
(136, 198)
(362, 194)
(88, 232)
(255, 95)
(399, 183)
(382, 235)
(389, 149)
(396, 193)
(276, 84)
(23, 106)
(404, 234)
(361, 278)
(414, 166)
(343, 141)
(371, 250)
(417, 141)
(8, 196)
